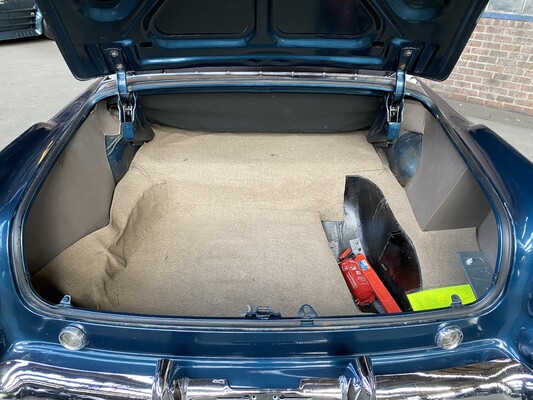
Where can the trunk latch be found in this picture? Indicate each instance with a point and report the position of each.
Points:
(263, 313)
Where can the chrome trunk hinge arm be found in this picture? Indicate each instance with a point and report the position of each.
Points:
(395, 100)
(126, 101)
(386, 128)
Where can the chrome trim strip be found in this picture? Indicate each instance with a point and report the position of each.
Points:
(20, 379)
(499, 379)
(357, 383)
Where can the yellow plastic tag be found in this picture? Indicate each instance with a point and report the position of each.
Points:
(441, 297)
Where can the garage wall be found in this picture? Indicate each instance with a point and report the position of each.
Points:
(496, 67)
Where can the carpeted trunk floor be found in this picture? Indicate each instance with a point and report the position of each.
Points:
(215, 224)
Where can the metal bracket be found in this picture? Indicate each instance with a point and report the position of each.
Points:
(357, 247)
(306, 311)
(480, 275)
(66, 301)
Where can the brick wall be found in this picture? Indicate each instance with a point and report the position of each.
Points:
(496, 67)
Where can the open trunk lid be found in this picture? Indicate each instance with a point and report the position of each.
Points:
(356, 34)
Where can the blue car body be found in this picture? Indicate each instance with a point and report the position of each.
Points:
(131, 356)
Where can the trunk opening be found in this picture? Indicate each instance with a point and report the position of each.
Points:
(247, 200)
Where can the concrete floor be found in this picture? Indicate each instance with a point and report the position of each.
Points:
(36, 83)
(516, 129)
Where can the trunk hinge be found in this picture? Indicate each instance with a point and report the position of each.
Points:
(386, 128)
(133, 126)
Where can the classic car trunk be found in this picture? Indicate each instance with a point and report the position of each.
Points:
(246, 200)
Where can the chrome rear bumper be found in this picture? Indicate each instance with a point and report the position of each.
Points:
(499, 379)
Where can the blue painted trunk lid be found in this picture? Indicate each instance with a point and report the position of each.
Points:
(289, 34)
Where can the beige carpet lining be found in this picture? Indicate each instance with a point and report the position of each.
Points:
(212, 224)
